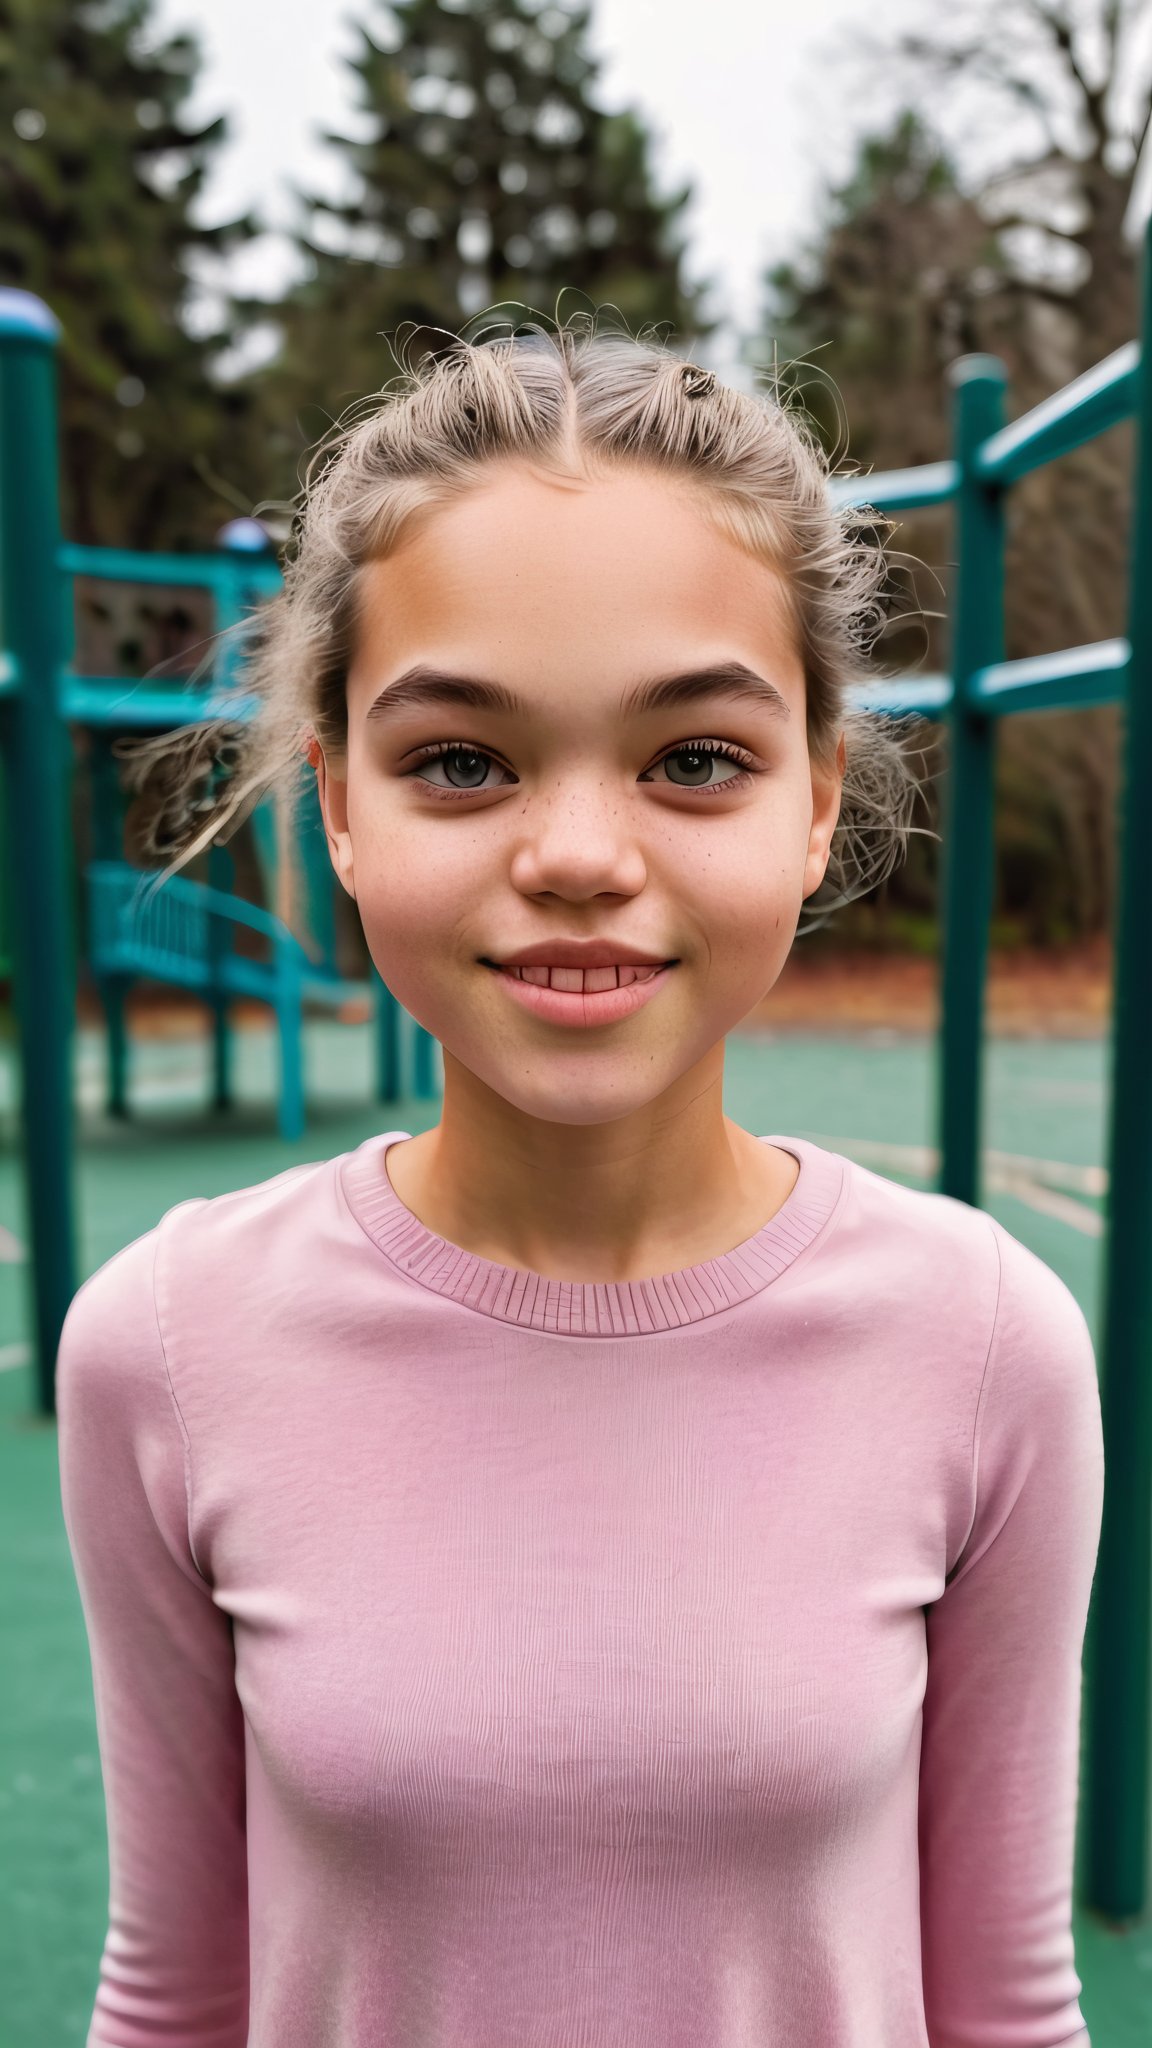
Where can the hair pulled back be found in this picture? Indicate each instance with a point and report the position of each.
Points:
(572, 401)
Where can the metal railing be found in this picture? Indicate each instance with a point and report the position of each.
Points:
(982, 688)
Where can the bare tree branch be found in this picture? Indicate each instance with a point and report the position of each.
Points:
(1061, 34)
(1032, 288)
(1053, 160)
(1113, 24)
(976, 60)
(1141, 138)
(1002, 221)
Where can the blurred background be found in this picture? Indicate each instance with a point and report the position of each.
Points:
(235, 212)
(238, 214)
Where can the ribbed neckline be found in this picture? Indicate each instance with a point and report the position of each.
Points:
(576, 1308)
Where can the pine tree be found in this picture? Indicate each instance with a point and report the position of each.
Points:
(487, 174)
(907, 273)
(98, 181)
(892, 286)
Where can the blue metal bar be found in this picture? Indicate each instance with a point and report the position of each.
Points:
(930, 483)
(1101, 398)
(125, 565)
(119, 700)
(1077, 676)
(894, 696)
(234, 596)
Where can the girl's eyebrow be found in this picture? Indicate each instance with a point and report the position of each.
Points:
(422, 685)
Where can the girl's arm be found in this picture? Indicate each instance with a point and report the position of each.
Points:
(1000, 1758)
(174, 1971)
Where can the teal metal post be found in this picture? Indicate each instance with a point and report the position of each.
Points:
(292, 1110)
(108, 844)
(36, 743)
(221, 875)
(1118, 1708)
(386, 1030)
(424, 1082)
(969, 794)
(229, 594)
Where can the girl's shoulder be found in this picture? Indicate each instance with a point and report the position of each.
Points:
(204, 1240)
(958, 1258)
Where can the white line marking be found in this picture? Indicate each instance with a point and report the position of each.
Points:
(924, 1162)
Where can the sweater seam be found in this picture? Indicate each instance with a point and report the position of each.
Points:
(186, 1440)
(981, 1404)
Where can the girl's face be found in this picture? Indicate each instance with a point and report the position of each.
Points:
(569, 813)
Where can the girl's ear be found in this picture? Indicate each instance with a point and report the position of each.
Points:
(332, 791)
(827, 794)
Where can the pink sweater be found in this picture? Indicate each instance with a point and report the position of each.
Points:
(486, 1661)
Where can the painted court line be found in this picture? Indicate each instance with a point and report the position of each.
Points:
(1047, 1185)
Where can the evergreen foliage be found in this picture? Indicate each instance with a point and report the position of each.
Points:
(485, 173)
(99, 177)
(908, 271)
(894, 285)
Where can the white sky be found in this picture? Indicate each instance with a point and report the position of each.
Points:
(737, 94)
(757, 101)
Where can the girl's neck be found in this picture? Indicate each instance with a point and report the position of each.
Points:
(691, 1193)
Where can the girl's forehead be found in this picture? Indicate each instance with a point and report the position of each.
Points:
(524, 554)
(560, 635)
(520, 497)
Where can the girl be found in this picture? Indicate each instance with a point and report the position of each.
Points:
(585, 1576)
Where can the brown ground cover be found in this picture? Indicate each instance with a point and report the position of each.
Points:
(1066, 994)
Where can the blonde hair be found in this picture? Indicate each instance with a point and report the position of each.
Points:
(573, 401)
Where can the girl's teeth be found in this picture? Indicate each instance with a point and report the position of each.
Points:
(584, 980)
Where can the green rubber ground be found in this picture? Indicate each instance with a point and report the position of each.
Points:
(1045, 1101)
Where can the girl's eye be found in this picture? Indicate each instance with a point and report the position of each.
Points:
(698, 757)
(693, 758)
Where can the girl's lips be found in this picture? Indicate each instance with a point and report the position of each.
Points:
(582, 1007)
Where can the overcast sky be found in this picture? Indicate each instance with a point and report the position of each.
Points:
(742, 96)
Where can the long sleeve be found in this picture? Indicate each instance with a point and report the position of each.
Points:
(1000, 1752)
(174, 1969)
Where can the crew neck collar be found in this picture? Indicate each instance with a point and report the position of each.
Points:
(575, 1308)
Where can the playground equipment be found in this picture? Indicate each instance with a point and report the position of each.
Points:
(38, 695)
(182, 935)
(132, 935)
